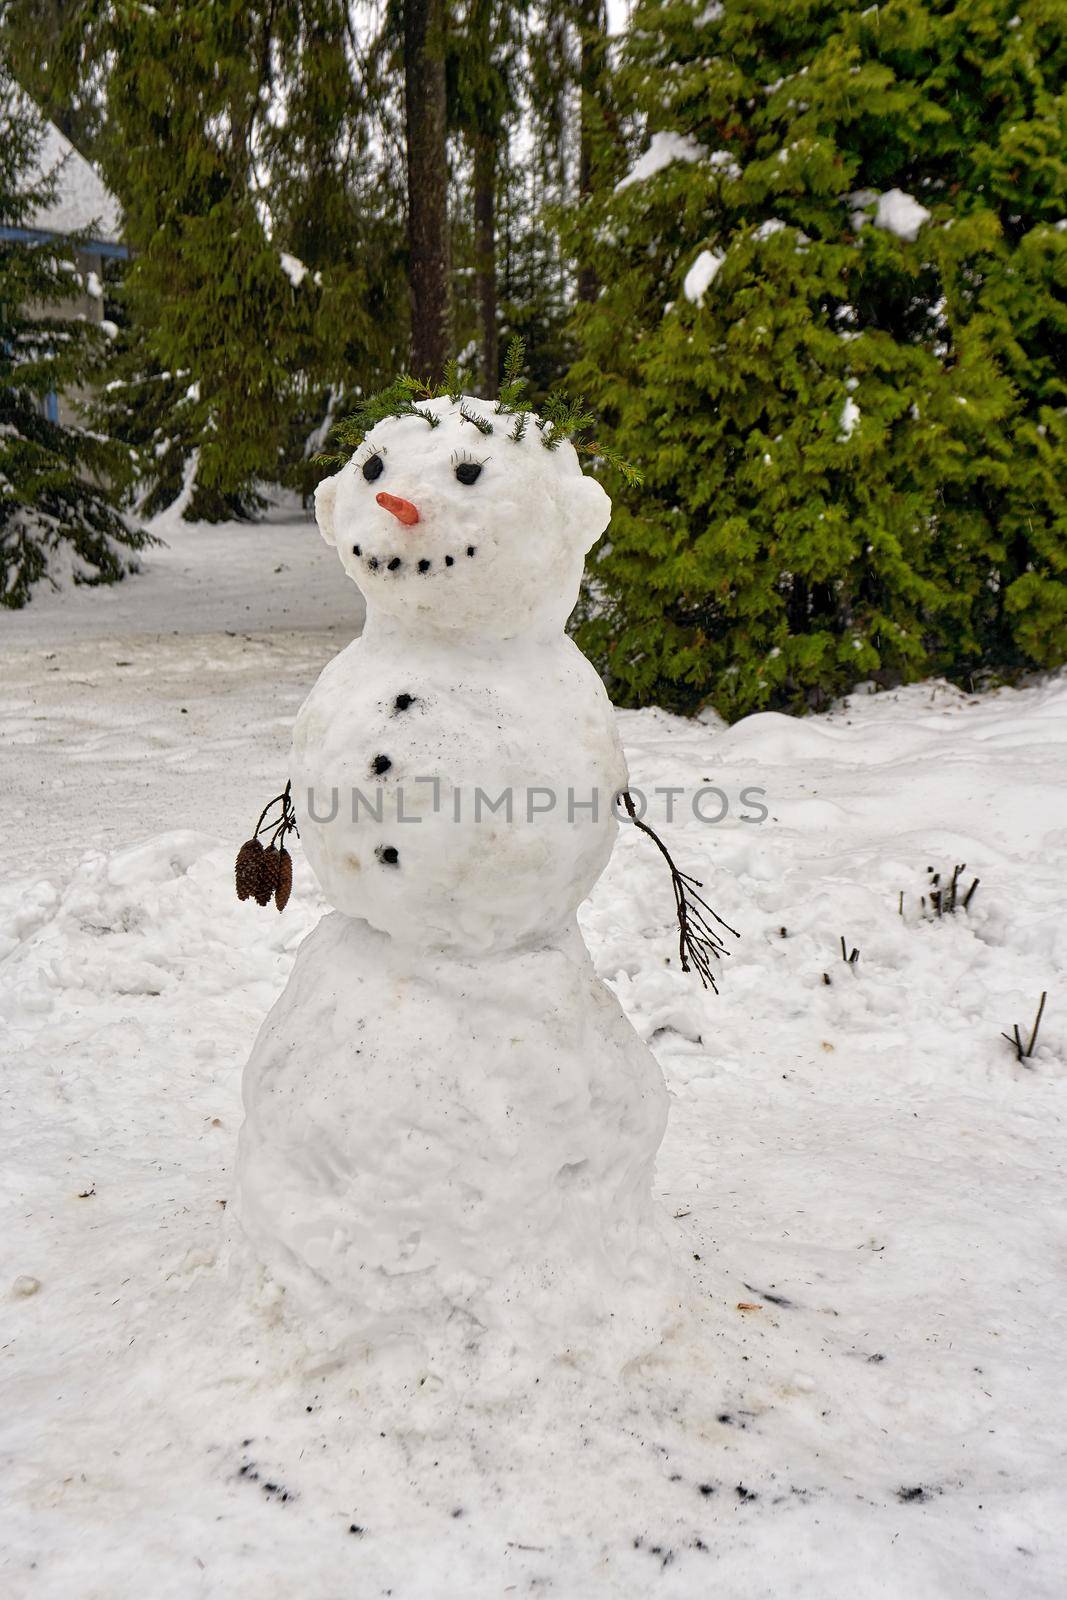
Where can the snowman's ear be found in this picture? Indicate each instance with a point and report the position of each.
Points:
(325, 505)
(591, 509)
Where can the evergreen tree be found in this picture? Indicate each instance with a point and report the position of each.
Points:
(236, 137)
(156, 415)
(840, 268)
(332, 150)
(478, 107)
(55, 507)
(486, 68)
(568, 141)
(426, 124)
(31, 32)
(536, 278)
(598, 147)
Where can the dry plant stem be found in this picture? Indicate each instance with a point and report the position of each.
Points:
(935, 892)
(698, 942)
(1037, 1022)
(953, 886)
(287, 821)
(1015, 1037)
(944, 899)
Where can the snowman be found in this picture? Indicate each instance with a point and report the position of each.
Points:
(450, 1126)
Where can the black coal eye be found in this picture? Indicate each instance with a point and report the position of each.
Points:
(373, 468)
(468, 471)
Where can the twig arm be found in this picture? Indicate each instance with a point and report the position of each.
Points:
(698, 942)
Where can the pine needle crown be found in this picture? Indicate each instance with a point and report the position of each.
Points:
(561, 419)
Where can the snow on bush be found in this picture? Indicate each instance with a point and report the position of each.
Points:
(850, 416)
(662, 150)
(701, 274)
(293, 268)
(901, 214)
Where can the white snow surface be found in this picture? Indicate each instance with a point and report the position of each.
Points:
(663, 148)
(861, 1186)
(166, 685)
(169, 520)
(701, 274)
(82, 199)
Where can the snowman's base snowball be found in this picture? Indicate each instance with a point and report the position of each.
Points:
(455, 1155)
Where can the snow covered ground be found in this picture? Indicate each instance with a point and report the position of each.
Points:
(131, 708)
(863, 1186)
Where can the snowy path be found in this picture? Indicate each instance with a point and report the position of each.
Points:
(129, 710)
(861, 1165)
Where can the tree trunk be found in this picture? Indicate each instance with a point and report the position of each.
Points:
(592, 25)
(485, 258)
(427, 162)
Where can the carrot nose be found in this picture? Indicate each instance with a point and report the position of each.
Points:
(402, 510)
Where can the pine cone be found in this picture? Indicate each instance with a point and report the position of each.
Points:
(247, 868)
(285, 880)
(269, 871)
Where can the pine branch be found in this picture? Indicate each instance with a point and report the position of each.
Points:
(562, 419)
(514, 381)
(633, 475)
(483, 425)
(454, 379)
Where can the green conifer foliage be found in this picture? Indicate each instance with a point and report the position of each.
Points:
(55, 508)
(185, 90)
(235, 134)
(832, 330)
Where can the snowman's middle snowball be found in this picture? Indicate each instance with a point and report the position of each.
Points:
(474, 728)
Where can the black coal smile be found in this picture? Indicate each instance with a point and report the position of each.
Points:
(398, 564)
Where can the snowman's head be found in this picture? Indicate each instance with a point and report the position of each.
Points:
(445, 525)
